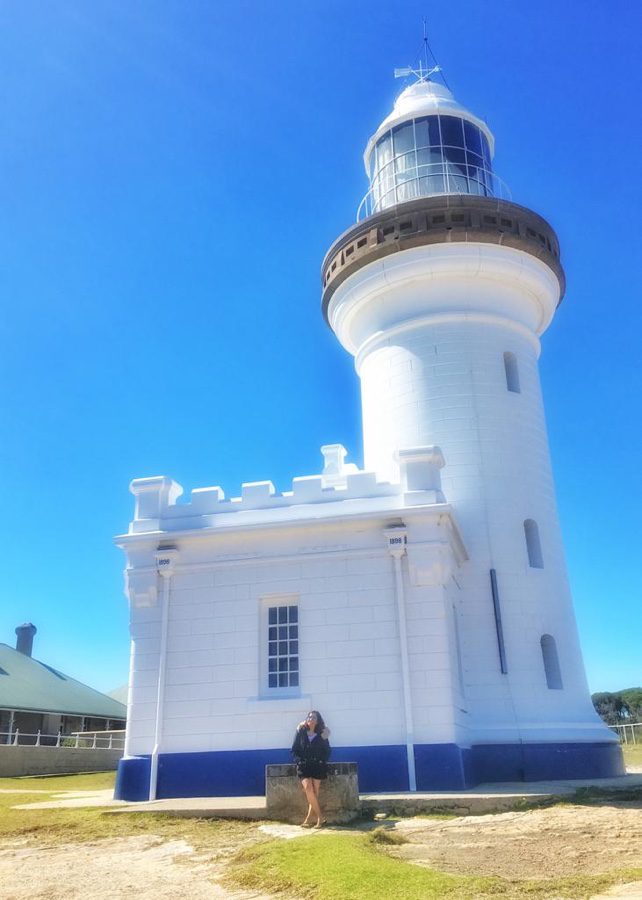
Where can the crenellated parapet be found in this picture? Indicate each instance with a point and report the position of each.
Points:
(157, 508)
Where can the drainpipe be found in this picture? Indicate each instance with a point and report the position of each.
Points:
(165, 560)
(397, 539)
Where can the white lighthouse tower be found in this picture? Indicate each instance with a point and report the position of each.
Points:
(441, 293)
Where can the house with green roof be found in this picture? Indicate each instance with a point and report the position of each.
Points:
(36, 697)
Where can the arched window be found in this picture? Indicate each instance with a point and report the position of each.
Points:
(551, 662)
(512, 372)
(531, 533)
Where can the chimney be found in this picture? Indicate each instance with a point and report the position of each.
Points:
(24, 643)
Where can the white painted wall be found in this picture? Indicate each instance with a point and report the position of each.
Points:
(342, 575)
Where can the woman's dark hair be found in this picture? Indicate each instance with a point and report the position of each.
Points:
(320, 723)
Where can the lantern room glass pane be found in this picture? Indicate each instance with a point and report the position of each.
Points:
(432, 184)
(456, 156)
(429, 156)
(407, 191)
(403, 138)
(427, 132)
(434, 132)
(384, 150)
(452, 132)
(473, 159)
(405, 164)
(422, 138)
(457, 184)
(473, 138)
(485, 150)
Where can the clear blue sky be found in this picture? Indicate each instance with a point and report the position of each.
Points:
(171, 175)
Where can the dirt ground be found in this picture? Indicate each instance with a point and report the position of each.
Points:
(136, 868)
(561, 840)
(546, 842)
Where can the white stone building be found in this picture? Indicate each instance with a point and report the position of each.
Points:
(422, 603)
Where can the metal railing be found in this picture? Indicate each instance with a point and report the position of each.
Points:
(479, 183)
(630, 733)
(86, 740)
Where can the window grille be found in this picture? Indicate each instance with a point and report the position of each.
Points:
(283, 646)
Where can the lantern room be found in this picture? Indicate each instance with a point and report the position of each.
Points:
(428, 145)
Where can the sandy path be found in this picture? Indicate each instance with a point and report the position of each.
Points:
(142, 867)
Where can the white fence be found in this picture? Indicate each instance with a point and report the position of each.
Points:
(631, 733)
(80, 740)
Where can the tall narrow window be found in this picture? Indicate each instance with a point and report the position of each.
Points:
(533, 545)
(551, 662)
(281, 640)
(512, 372)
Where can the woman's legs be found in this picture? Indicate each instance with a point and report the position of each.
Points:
(308, 785)
(316, 784)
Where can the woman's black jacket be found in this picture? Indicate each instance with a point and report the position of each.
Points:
(311, 757)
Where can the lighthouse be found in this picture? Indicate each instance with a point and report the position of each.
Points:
(421, 601)
(442, 292)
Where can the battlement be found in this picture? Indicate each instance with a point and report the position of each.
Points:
(157, 507)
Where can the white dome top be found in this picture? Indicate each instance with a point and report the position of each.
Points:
(425, 98)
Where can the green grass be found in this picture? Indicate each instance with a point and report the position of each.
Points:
(343, 867)
(352, 867)
(382, 835)
(40, 827)
(594, 796)
(92, 781)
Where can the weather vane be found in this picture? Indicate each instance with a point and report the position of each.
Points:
(424, 70)
(421, 73)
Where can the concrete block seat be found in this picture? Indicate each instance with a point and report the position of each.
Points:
(338, 795)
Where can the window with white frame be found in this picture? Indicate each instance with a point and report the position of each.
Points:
(280, 646)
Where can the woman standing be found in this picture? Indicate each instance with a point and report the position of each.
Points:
(311, 751)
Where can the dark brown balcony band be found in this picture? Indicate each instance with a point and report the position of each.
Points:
(447, 218)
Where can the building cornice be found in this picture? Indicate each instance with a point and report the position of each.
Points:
(439, 511)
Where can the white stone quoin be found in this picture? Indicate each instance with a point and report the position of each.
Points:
(422, 602)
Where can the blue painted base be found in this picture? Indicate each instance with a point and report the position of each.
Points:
(439, 767)
(545, 762)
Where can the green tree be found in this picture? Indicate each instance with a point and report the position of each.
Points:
(612, 707)
(633, 699)
(619, 707)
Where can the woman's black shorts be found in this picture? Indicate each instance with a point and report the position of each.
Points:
(312, 768)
